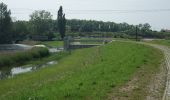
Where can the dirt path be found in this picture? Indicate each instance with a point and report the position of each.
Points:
(166, 51)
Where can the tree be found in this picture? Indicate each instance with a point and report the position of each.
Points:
(61, 22)
(41, 23)
(5, 24)
(20, 30)
(145, 30)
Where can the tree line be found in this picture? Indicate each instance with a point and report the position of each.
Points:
(42, 26)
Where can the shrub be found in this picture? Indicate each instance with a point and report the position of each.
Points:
(22, 57)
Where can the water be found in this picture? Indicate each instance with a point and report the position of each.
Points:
(14, 47)
(55, 50)
(18, 70)
(11, 72)
(21, 47)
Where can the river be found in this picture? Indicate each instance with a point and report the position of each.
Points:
(9, 72)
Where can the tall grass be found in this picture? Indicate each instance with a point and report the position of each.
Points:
(22, 57)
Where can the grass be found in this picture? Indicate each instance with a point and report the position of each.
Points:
(52, 57)
(53, 43)
(87, 74)
(162, 42)
(17, 58)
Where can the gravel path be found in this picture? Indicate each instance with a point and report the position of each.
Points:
(166, 51)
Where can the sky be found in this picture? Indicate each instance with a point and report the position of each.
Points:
(154, 12)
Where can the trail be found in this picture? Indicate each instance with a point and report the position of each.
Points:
(166, 51)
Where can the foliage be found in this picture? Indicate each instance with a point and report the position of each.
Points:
(61, 22)
(20, 30)
(77, 28)
(5, 24)
(21, 57)
(41, 24)
(144, 30)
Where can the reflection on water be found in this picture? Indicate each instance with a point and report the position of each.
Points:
(19, 70)
(14, 47)
(11, 72)
(20, 47)
(54, 50)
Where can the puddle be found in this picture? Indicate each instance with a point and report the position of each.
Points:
(11, 72)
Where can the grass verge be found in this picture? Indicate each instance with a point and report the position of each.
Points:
(86, 74)
(161, 42)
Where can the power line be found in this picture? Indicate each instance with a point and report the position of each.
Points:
(90, 10)
(27, 10)
(110, 10)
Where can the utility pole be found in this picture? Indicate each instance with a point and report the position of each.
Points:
(136, 33)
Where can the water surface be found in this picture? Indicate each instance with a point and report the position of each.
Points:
(12, 71)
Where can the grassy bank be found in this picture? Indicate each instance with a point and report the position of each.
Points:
(162, 42)
(87, 74)
(52, 57)
(21, 57)
(53, 43)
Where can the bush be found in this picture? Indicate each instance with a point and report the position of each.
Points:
(24, 56)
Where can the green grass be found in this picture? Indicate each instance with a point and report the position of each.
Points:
(17, 58)
(162, 42)
(53, 43)
(86, 74)
(52, 57)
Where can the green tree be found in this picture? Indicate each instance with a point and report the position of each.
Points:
(41, 23)
(61, 22)
(20, 30)
(5, 24)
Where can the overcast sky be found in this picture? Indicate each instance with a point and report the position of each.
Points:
(154, 12)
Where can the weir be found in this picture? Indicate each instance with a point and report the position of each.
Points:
(77, 43)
